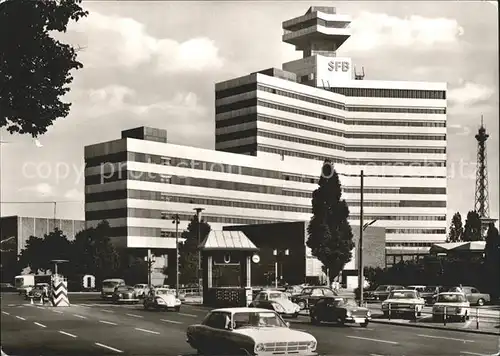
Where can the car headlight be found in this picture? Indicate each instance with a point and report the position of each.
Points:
(178, 301)
(368, 313)
(348, 313)
(160, 301)
(312, 345)
(458, 310)
(259, 347)
(385, 305)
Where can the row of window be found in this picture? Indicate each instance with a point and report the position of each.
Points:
(314, 22)
(390, 93)
(341, 147)
(415, 231)
(409, 244)
(374, 162)
(401, 217)
(342, 106)
(254, 117)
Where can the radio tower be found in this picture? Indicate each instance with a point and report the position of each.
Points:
(481, 203)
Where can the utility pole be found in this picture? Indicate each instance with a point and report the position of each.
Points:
(361, 278)
(198, 267)
(55, 213)
(176, 221)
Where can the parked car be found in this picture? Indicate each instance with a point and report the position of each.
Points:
(38, 290)
(310, 295)
(339, 310)
(293, 290)
(125, 294)
(109, 286)
(277, 301)
(141, 290)
(248, 331)
(451, 305)
(474, 296)
(418, 288)
(380, 293)
(7, 287)
(403, 302)
(430, 292)
(163, 299)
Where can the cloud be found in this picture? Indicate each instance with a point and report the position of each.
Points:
(469, 94)
(74, 194)
(119, 41)
(41, 189)
(376, 30)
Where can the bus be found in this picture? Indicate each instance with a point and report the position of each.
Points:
(25, 282)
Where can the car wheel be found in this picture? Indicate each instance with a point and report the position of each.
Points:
(341, 321)
(386, 314)
(146, 306)
(302, 304)
(364, 325)
(177, 309)
(480, 302)
(315, 320)
(414, 315)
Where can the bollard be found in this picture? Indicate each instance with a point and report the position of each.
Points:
(444, 316)
(389, 311)
(41, 299)
(477, 318)
(31, 300)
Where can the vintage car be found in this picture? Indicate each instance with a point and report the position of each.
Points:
(403, 302)
(141, 290)
(474, 296)
(277, 301)
(310, 295)
(418, 288)
(339, 310)
(38, 290)
(380, 293)
(109, 286)
(293, 290)
(430, 292)
(7, 287)
(248, 331)
(163, 299)
(451, 305)
(124, 294)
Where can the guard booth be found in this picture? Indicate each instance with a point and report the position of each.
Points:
(227, 267)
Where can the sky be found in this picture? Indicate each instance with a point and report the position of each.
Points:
(156, 64)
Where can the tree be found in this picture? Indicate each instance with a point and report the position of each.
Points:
(39, 252)
(472, 231)
(492, 260)
(93, 253)
(329, 233)
(35, 68)
(456, 229)
(188, 251)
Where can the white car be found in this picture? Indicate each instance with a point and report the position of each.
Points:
(141, 290)
(277, 301)
(248, 331)
(162, 298)
(451, 305)
(403, 302)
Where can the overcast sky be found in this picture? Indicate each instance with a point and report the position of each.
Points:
(156, 63)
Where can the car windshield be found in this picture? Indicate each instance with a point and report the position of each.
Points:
(164, 291)
(403, 295)
(307, 291)
(430, 289)
(110, 284)
(345, 302)
(257, 319)
(451, 298)
(275, 295)
(139, 286)
(382, 288)
(125, 289)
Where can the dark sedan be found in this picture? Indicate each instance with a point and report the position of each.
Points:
(430, 292)
(381, 292)
(339, 310)
(125, 294)
(310, 295)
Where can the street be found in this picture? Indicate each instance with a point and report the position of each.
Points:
(92, 327)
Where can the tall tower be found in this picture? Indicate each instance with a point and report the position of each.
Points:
(320, 31)
(481, 203)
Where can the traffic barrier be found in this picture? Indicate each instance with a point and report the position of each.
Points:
(60, 292)
(31, 301)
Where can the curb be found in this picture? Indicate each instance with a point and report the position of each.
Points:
(473, 331)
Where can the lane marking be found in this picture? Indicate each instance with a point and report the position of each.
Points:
(20, 317)
(57, 311)
(191, 315)
(4, 312)
(473, 353)
(107, 322)
(109, 348)
(68, 334)
(11, 305)
(148, 331)
(375, 355)
(107, 311)
(80, 316)
(135, 315)
(376, 340)
(43, 326)
(444, 338)
(362, 329)
(40, 308)
(171, 321)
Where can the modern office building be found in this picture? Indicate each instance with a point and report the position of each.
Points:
(274, 128)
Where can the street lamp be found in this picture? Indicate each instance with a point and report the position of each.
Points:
(198, 267)
(56, 262)
(277, 253)
(150, 260)
(176, 221)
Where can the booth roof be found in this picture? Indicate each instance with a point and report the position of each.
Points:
(228, 240)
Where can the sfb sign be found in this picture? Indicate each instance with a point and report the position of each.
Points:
(338, 66)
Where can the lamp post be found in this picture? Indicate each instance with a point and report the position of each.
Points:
(277, 253)
(56, 262)
(198, 267)
(176, 221)
(150, 260)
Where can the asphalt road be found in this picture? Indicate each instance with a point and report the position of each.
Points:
(92, 327)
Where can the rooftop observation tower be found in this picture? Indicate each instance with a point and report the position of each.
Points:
(319, 32)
